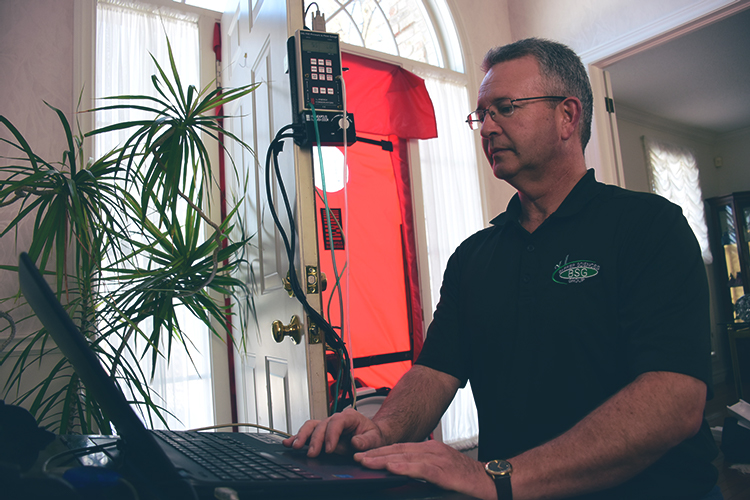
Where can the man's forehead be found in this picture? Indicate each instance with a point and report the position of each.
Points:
(511, 79)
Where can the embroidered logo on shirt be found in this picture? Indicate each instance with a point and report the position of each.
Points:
(574, 272)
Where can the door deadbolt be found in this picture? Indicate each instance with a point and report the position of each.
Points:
(293, 330)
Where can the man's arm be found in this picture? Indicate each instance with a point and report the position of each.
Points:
(409, 413)
(615, 442)
(414, 407)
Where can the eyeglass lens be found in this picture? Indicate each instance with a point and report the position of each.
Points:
(503, 107)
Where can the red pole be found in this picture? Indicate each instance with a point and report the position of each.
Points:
(223, 211)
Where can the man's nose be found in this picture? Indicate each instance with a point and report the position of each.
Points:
(489, 127)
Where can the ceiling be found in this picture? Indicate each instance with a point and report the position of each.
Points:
(701, 79)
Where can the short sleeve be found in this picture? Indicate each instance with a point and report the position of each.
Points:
(664, 302)
(443, 349)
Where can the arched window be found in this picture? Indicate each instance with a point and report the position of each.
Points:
(420, 30)
(398, 27)
(420, 36)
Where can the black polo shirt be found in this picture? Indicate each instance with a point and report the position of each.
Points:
(548, 325)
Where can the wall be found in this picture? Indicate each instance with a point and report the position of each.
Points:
(633, 125)
(734, 175)
(36, 57)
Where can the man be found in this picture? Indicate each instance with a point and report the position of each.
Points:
(580, 317)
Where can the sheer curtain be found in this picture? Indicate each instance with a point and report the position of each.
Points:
(450, 183)
(673, 174)
(126, 34)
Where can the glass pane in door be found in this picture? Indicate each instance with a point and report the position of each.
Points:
(731, 255)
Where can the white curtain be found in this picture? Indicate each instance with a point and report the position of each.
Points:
(673, 172)
(125, 35)
(450, 182)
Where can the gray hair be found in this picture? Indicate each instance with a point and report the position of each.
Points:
(561, 68)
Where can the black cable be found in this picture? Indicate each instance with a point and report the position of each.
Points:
(304, 17)
(273, 150)
(332, 338)
(289, 243)
(340, 345)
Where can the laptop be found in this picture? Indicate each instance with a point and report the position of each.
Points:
(163, 464)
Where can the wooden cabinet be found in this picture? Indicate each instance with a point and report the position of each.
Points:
(729, 223)
(730, 235)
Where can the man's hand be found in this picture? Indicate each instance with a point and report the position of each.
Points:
(409, 413)
(434, 462)
(343, 433)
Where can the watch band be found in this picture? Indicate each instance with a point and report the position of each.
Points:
(503, 488)
(500, 471)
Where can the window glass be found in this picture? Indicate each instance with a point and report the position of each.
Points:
(126, 35)
(398, 27)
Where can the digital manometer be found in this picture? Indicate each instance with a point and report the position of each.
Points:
(318, 71)
(316, 82)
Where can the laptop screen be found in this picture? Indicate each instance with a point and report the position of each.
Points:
(143, 453)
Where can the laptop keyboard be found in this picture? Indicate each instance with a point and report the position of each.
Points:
(229, 459)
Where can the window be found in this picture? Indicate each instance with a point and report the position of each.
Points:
(125, 35)
(397, 27)
(673, 174)
(421, 34)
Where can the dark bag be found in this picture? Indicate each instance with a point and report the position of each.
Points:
(21, 439)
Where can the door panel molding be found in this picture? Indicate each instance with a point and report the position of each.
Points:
(278, 393)
(249, 386)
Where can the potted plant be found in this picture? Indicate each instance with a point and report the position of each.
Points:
(123, 237)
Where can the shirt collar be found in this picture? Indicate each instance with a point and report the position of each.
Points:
(582, 192)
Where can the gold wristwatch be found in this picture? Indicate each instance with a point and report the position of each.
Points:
(499, 471)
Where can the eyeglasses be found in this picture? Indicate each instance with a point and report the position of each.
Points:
(502, 107)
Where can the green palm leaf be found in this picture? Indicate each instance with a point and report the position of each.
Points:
(129, 243)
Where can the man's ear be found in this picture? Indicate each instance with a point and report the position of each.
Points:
(570, 117)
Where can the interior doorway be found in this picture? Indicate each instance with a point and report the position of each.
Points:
(678, 70)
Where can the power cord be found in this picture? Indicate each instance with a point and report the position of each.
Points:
(255, 426)
(77, 452)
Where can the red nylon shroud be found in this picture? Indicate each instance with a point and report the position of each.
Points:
(388, 103)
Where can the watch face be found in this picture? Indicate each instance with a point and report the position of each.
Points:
(498, 467)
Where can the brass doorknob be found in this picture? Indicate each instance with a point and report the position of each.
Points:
(293, 330)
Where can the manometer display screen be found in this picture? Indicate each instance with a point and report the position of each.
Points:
(319, 46)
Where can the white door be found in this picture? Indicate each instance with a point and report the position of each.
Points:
(279, 385)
